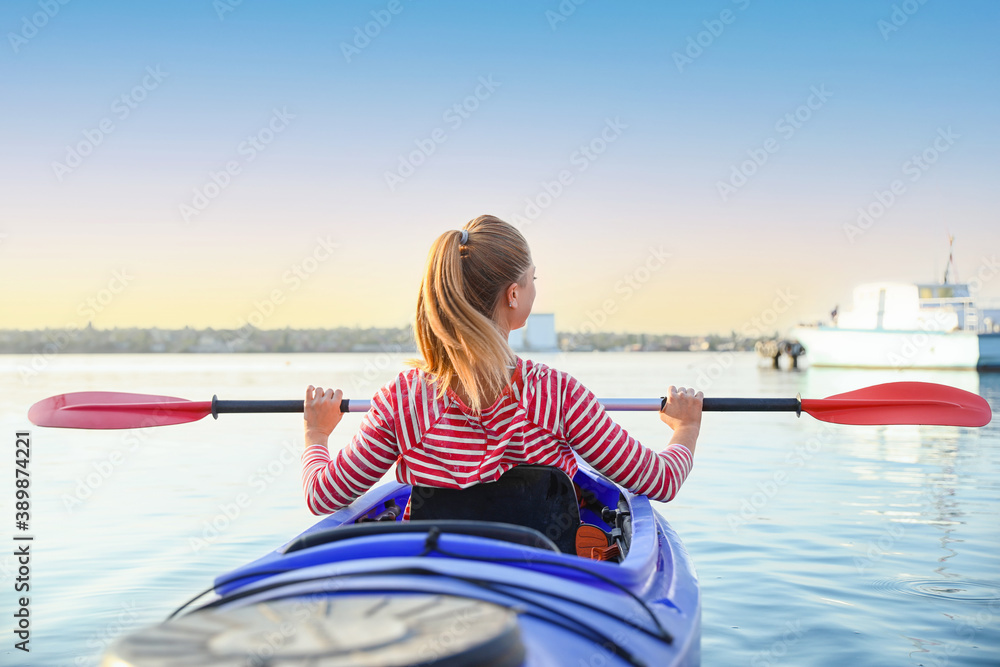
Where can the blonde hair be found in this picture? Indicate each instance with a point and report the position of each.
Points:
(456, 329)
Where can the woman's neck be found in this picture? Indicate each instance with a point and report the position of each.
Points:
(456, 387)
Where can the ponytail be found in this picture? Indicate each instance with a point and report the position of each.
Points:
(457, 309)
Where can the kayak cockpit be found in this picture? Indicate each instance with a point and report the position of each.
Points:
(539, 497)
(373, 525)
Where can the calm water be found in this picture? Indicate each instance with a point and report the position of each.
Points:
(816, 544)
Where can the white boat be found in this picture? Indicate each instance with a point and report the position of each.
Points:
(902, 325)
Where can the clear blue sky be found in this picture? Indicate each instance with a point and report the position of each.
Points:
(674, 130)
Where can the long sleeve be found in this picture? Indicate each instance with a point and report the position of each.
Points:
(609, 449)
(330, 484)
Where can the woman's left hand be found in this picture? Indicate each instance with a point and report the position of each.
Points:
(322, 413)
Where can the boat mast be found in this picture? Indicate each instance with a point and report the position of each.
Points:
(951, 259)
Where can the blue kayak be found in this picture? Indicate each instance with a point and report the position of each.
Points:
(365, 587)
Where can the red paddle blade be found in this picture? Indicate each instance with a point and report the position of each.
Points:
(112, 409)
(902, 403)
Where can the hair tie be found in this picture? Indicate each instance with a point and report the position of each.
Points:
(465, 237)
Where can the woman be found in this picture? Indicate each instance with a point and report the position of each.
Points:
(471, 409)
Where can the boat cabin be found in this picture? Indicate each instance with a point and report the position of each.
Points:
(905, 306)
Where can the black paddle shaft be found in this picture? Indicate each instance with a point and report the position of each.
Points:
(709, 405)
(223, 407)
(752, 405)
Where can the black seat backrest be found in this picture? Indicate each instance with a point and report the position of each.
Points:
(539, 497)
(490, 529)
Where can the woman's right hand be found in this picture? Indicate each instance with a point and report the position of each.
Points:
(322, 413)
(682, 412)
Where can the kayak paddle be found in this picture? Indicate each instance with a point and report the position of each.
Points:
(891, 403)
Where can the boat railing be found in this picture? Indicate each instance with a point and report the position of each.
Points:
(965, 307)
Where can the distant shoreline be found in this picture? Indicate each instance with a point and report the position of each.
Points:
(90, 340)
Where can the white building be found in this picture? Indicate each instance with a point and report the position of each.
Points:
(537, 335)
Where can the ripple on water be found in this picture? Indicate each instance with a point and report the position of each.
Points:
(955, 590)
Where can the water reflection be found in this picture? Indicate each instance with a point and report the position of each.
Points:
(989, 388)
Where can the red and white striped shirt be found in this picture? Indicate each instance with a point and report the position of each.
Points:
(542, 417)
